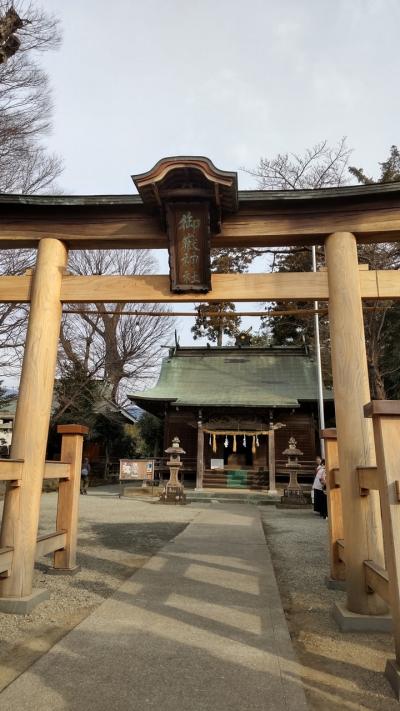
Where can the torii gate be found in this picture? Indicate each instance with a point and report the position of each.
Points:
(187, 205)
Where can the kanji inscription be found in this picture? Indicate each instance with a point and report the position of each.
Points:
(189, 246)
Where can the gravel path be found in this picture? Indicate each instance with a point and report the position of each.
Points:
(340, 670)
(116, 537)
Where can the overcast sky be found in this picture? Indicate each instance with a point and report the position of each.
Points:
(229, 79)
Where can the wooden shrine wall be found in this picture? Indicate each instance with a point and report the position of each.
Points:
(301, 424)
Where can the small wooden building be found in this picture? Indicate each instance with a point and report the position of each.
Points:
(234, 410)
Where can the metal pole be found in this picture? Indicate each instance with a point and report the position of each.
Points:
(321, 412)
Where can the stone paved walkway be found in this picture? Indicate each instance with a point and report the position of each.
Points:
(199, 627)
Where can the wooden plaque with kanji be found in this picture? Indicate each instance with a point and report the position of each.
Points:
(189, 246)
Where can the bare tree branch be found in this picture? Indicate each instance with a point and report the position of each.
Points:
(124, 351)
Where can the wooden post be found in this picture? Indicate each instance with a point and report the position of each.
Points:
(200, 454)
(22, 504)
(361, 515)
(386, 422)
(334, 494)
(68, 496)
(271, 455)
(271, 461)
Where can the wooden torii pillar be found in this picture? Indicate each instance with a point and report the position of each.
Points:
(361, 515)
(22, 503)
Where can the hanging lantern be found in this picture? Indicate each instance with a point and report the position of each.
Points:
(226, 443)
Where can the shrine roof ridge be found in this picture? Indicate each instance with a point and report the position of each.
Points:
(187, 351)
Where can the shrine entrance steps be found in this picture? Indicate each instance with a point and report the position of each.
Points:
(235, 479)
(200, 626)
(223, 495)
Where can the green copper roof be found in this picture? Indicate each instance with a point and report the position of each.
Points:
(233, 377)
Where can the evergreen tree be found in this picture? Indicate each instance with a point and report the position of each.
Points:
(150, 435)
(382, 320)
(390, 170)
(223, 261)
(5, 397)
(108, 430)
(216, 320)
(76, 394)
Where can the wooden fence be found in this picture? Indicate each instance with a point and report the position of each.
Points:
(383, 477)
(61, 542)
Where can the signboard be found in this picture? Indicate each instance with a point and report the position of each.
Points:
(189, 246)
(217, 464)
(136, 469)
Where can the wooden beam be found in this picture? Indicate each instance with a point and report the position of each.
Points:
(329, 433)
(57, 470)
(377, 579)
(151, 289)
(103, 230)
(6, 556)
(305, 286)
(368, 479)
(11, 469)
(382, 407)
(50, 542)
(291, 226)
(15, 289)
(83, 223)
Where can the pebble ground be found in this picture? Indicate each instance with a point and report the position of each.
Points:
(340, 670)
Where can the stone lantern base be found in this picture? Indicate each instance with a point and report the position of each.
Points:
(294, 499)
(173, 495)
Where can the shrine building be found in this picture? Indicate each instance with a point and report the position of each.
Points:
(234, 410)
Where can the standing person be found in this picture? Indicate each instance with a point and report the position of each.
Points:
(324, 497)
(3, 448)
(314, 498)
(320, 500)
(85, 471)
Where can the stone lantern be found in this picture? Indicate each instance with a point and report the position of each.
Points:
(293, 463)
(293, 494)
(173, 492)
